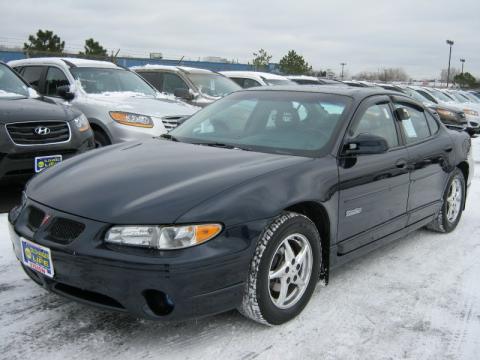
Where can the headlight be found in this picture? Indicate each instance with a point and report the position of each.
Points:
(131, 119)
(446, 113)
(81, 123)
(162, 237)
(470, 112)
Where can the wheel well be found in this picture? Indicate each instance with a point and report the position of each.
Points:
(317, 213)
(465, 169)
(96, 127)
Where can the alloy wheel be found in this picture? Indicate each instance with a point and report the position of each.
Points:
(290, 271)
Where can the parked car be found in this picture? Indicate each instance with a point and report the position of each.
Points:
(198, 87)
(304, 80)
(248, 79)
(246, 205)
(451, 116)
(357, 83)
(119, 104)
(35, 133)
(438, 97)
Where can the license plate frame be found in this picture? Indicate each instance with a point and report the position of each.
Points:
(37, 257)
(44, 162)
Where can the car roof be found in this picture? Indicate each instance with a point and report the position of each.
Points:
(354, 92)
(265, 75)
(302, 77)
(187, 69)
(62, 61)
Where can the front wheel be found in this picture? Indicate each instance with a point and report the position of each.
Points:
(284, 270)
(453, 203)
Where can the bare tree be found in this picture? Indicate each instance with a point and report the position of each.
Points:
(453, 72)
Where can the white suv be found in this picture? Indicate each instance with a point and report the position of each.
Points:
(119, 104)
(248, 79)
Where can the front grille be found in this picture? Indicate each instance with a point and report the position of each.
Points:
(64, 231)
(171, 122)
(35, 218)
(24, 133)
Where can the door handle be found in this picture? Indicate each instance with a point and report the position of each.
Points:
(401, 164)
(448, 149)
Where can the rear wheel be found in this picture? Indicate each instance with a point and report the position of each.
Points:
(284, 270)
(453, 203)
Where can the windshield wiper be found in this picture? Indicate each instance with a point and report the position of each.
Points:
(169, 137)
(222, 145)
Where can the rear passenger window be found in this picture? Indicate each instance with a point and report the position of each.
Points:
(32, 75)
(154, 78)
(432, 123)
(248, 83)
(415, 127)
(55, 78)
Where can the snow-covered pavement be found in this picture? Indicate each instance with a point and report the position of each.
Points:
(418, 298)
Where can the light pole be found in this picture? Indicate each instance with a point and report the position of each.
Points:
(463, 63)
(343, 65)
(449, 43)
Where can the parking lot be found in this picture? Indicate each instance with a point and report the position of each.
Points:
(418, 298)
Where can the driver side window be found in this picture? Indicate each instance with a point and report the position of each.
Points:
(377, 120)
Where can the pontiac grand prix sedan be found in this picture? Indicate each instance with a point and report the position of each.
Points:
(248, 204)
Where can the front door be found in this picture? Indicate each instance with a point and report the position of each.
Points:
(374, 188)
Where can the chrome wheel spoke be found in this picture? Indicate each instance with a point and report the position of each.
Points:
(289, 254)
(282, 295)
(278, 273)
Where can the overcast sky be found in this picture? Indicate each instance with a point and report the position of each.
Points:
(366, 34)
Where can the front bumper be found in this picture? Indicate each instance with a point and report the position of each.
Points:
(17, 162)
(161, 285)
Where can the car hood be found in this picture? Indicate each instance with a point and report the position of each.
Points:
(129, 102)
(151, 182)
(34, 109)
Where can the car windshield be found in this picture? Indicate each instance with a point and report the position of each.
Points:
(212, 84)
(111, 81)
(440, 96)
(295, 123)
(470, 97)
(306, 81)
(415, 95)
(278, 81)
(458, 98)
(10, 85)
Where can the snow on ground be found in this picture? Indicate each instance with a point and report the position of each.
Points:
(418, 298)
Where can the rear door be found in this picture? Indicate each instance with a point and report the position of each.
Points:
(430, 154)
(373, 188)
(34, 75)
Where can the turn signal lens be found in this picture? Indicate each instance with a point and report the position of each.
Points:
(206, 232)
(162, 237)
(130, 119)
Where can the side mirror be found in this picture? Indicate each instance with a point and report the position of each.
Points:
(365, 144)
(64, 92)
(183, 94)
(402, 114)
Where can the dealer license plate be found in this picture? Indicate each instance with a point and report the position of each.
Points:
(37, 257)
(44, 162)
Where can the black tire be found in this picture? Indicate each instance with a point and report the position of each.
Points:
(257, 303)
(441, 223)
(101, 139)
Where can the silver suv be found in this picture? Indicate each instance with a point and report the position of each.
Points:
(198, 87)
(119, 104)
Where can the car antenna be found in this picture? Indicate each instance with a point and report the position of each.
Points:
(180, 61)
